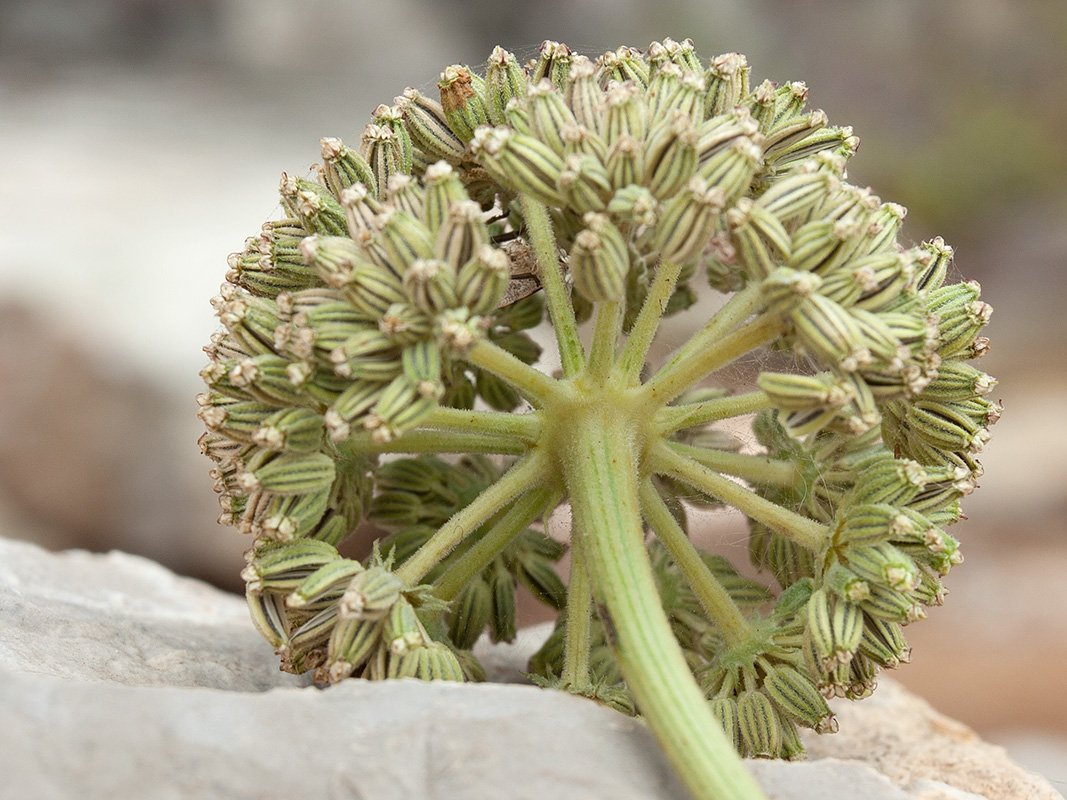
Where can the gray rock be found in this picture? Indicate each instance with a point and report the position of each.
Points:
(125, 619)
(119, 679)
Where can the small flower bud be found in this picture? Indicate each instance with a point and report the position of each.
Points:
(403, 240)
(288, 473)
(962, 315)
(599, 260)
(584, 183)
(431, 285)
(884, 643)
(461, 234)
(444, 189)
(343, 166)
(333, 257)
(688, 221)
(622, 65)
(352, 642)
(370, 595)
(361, 208)
(505, 79)
(481, 282)
(795, 195)
(351, 408)
(372, 290)
(670, 155)
(626, 113)
(326, 579)
(936, 256)
(268, 617)
(381, 149)
(313, 205)
(421, 363)
(727, 80)
(554, 63)
(731, 168)
(760, 729)
(828, 331)
(400, 408)
(463, 101)
(286, 564)
(666, 78)
(549, 114)
(583, 94)
(292, 429)
(391, 117)
(428, 127)
(625, 162)
(791, 392)
(406, 195)
(402, 630)
(368, 355)
(794, 694)
(520, 162)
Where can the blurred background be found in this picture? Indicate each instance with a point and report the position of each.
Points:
(141, 141)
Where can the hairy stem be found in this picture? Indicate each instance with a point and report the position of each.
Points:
(715, 600)
(577, 638)
(644, 330)
(702, 355)
(607, 327)
(800, 529)
(433, 441)
(526, 474)
(560, 310)
(460, 572)
(754, 469)
(674, 418)
(528, 381)
(601, 476)
(495, 423)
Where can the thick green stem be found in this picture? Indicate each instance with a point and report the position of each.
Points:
(800, 529)
(601, 475)
(702, 355)
(578, 632)
(526, 474)
(715, 600)
(530, 382)
(754, 469)
(659, 294)
(459, 573)
(560, 310)
(674, 418)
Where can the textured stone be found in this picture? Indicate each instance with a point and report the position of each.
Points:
(125, 619)
(119, 679)
(905, 739)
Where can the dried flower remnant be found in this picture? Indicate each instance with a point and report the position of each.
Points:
(387, 312)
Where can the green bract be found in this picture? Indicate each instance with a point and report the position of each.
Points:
(386, 314)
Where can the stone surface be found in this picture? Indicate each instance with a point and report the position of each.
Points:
(905, 739)
(125, 619)
(119, 679)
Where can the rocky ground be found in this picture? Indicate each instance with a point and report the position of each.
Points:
(153, 685)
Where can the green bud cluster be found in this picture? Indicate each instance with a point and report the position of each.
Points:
(386, 312)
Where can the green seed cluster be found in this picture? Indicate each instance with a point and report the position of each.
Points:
(353, 323)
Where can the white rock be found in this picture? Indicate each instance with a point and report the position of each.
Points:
(119, 679)
(125, 619)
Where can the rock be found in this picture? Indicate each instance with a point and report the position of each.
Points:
(124, 619)
(118, 678)
(906, 740)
